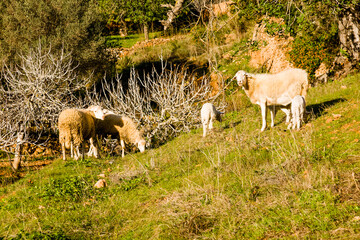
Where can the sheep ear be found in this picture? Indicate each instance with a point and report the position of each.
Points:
(221, 112)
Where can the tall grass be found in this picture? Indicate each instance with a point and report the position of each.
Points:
(117, 41)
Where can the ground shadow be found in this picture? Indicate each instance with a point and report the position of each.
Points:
(232, 124)
(318, 109)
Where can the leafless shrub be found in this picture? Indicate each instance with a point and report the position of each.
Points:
(31, 96)
(165, 102)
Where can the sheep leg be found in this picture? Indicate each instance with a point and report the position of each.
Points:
(290, 122)
(122, 148)
(71, 150)
(273, 111)
(287, 112)
(204, 129)
(90, 152)
(294, 120)
(92, 146)
(76, 153)
(83, 150)
(298, 124)
(289, 126)
(263, 114)
(63, 151)
(299, 120)
(211, 123)
(294, 125)
(97, 144)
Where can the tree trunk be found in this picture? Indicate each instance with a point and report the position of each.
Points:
(123, 30)
(349, 30)
(19, 142)
(146, 31)
(172, 13)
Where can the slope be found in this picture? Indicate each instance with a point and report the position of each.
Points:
(237, 183)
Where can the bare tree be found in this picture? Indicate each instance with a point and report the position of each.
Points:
(165, 102)
(31, 97)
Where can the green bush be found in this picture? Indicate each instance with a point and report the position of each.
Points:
(308, 53)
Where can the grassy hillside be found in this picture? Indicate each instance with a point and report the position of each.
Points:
(237, 183)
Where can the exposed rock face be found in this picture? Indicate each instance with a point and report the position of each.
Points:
(349, 30)
(222, 8)
(273, 50)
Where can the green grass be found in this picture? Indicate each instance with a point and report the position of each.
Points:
(117, 41)
(237, 183)
(176, 50)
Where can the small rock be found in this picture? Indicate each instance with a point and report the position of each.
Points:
(102, 175)
(329, 120)
(100, 184)
(337, 116)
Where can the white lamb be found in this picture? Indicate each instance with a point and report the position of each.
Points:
(273, 91)
(298, 105)
(208, 114)
(76, 126)
(122, 128)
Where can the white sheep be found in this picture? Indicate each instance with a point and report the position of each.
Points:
(122, 128)
(76, 126)
(208, 115)
(273, 91)
(298, 106)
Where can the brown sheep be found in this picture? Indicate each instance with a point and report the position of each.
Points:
(76, 126)
(122, 128)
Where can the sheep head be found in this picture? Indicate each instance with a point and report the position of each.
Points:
(141, 145)
(98, 111)
(219, 116)
(241, 78)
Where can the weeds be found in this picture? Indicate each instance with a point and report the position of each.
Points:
(74, 188)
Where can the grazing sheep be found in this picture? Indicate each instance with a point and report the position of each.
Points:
(273, 91)
(208, 114)
(298, 105)
(122, 128)
(76, 126)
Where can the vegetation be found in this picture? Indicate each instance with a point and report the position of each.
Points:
(313, 24)
(117, 41)
(236, 184)
(75, 26)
